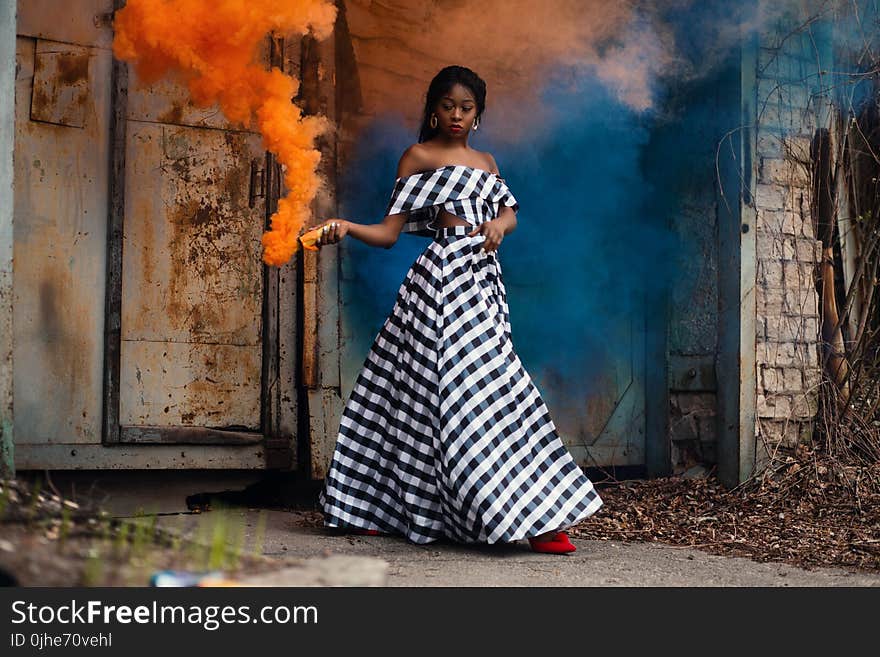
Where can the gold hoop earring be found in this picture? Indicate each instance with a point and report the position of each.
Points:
(433, 122)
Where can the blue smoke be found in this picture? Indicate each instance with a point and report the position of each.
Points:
(617, 211)
(589, 252)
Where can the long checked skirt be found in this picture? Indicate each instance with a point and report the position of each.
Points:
(444, 434)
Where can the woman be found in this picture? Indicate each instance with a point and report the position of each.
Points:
(444, 433)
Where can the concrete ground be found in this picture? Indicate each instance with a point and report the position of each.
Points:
(327, 558)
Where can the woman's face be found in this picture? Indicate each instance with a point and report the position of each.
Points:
(456, 112)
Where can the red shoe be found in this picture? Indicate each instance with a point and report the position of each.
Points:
(366, 532)
(559, 544)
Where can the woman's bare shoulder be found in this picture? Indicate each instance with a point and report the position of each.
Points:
(415, 158)
(491, 164)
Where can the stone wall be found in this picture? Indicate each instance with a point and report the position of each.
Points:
(787, 321)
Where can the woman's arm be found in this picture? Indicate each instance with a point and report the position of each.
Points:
(383, 234)
(507, 217)
(499, 227)
(386, 232)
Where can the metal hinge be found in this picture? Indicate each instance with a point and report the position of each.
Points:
(258, 184)
(276, 51)
(103, 20)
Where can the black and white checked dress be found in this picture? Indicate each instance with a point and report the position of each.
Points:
(444, 433)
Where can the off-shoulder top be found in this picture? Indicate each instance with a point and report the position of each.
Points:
(475, 195)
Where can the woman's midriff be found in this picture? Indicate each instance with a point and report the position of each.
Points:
(445, 219)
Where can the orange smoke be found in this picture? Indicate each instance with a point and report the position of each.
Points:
(213, 45)
(516, 46)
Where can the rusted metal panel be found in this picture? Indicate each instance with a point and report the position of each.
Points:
(280, 395)
(192, 268)
(289, 326)
(192, 224)
(280, 398)
(328, 304)
(168, 101)
(286, 56)
(61, 179)
(139, 457)
(603, 423)
(188, 436)
(61, 84)
(84, 22)
(192, 279)
(188, 384)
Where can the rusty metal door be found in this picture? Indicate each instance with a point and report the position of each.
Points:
(200, 344)
(600, 413)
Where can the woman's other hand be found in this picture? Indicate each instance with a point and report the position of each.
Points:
(493, 231)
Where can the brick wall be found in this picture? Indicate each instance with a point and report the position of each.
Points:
(787, 320)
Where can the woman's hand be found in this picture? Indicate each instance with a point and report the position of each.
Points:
(493, 231)
(332, 231)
